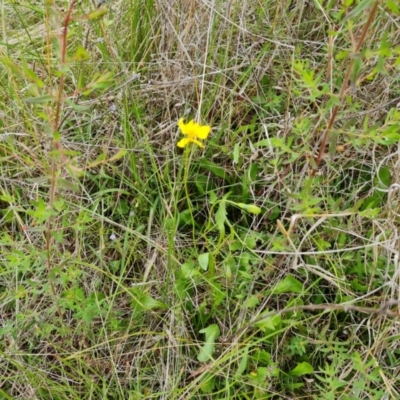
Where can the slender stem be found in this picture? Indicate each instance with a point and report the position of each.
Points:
(188, 153)
(344, 87)
(57, 145)
(67, 20)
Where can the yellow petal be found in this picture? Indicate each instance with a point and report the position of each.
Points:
(190, 128)
(203, 131)
(182, 126)
(183, 142)
(197, 142)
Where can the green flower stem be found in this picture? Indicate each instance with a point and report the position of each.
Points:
(188, 156)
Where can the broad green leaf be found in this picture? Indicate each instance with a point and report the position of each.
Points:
(389, 135)
(263, 143)
(372, 202)
(252, 301)
(207, 383)
(187, 270)
(204, 260)
(212, 333)
(145, 302)
(280, 143)
(263, 373)
(243, 363)
(302, 369)
(5, 396)
(213, 197)
(370, 213)
(186, 218)
(215, 169)
(220, 217)
(8, 198)
(288, 285)
(150, 302)
(203, 184)
(236, 152)
(393, 6)
(250, 241)
(383, 179)
(269, 323)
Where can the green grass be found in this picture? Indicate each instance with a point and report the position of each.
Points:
(132, 269)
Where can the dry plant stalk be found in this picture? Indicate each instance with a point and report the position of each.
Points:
(383, 310)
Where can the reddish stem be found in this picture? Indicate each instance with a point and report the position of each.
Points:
(67, 20)
(344, 87)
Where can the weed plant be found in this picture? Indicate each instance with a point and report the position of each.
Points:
(254, 257)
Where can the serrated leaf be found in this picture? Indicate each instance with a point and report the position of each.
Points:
(203, 260)
(288, 285)
(302, 369)
(212, 333)
(213, 197)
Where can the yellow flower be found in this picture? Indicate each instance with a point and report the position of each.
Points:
(193, 131)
